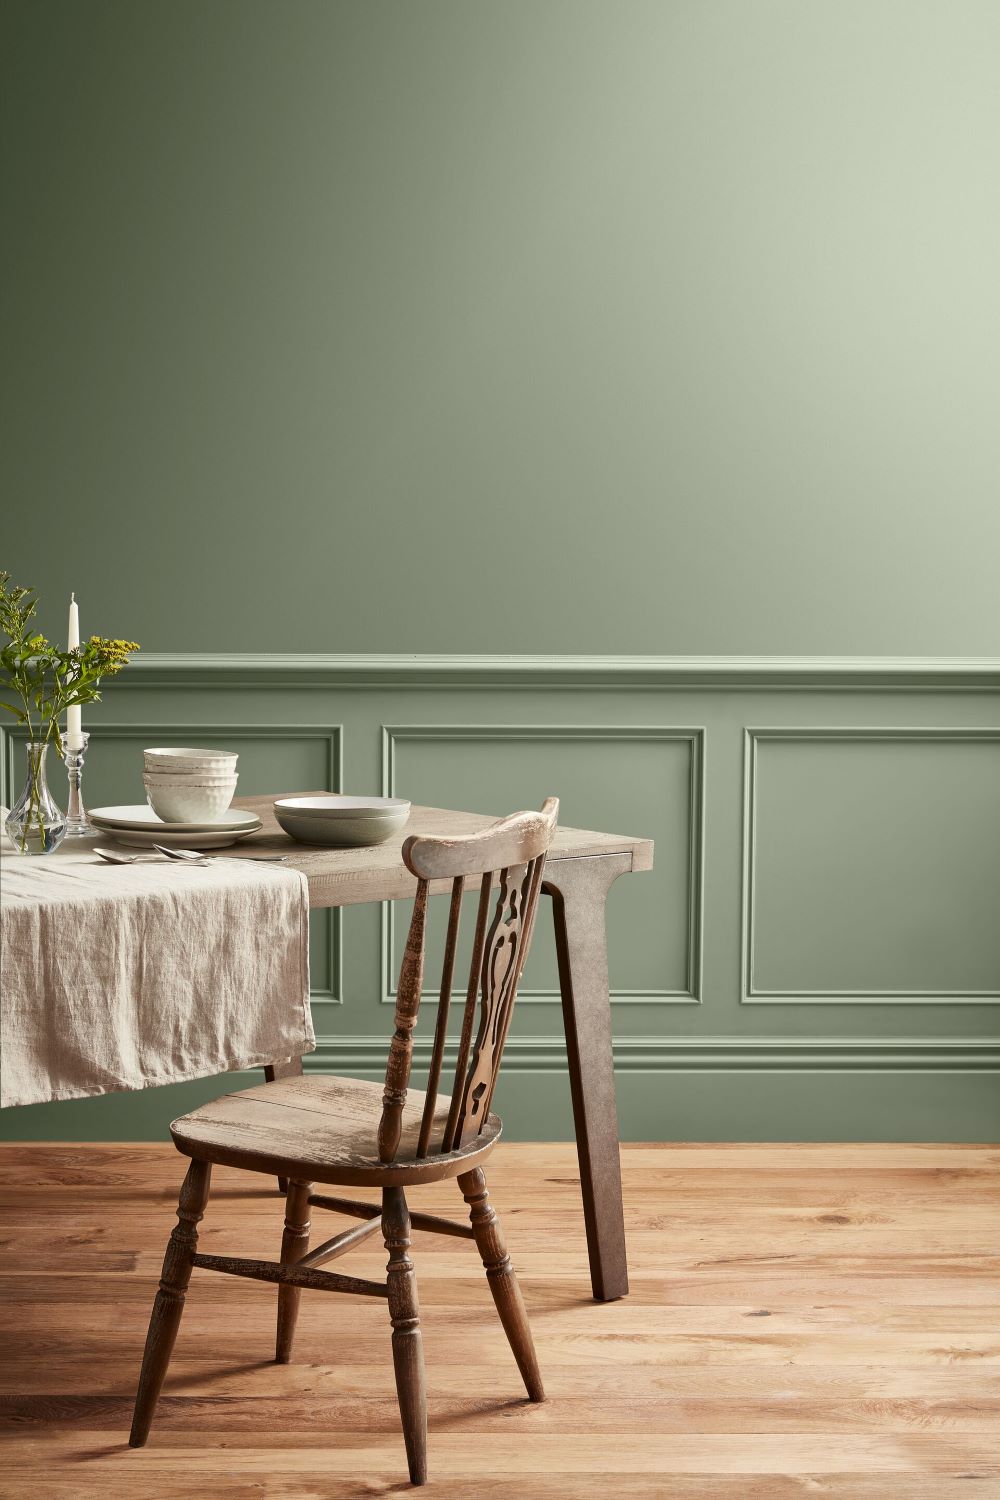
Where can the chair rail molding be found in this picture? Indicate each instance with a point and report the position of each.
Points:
(881, 673)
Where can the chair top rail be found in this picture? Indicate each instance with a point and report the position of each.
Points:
(512, 849)
(511, 841)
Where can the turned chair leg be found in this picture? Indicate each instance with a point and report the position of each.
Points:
(169, 1302)
(407, 1344)
(502, 1281)
(294, 1244)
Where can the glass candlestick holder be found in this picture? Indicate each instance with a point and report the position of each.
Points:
(77, 822)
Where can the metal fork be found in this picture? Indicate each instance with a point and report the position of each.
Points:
(191, 856)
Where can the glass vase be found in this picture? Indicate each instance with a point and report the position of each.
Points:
(35, 825)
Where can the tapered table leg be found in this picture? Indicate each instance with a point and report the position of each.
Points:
(579, 889)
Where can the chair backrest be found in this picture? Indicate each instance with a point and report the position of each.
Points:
(511, 853)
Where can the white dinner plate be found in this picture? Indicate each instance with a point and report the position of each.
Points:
(139, 819)
(145, 840)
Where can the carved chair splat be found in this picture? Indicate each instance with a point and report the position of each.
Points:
(319, 1130)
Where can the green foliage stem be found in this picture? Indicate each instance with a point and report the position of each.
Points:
(39, 682)
(43, 680)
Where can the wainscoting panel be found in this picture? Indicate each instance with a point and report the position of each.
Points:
(285, 755)
(872, 866)
(816, 954)
(633, 778)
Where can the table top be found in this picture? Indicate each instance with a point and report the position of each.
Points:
(345, 877)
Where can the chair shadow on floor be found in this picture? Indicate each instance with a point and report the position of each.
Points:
(177, 1382)
(272, 1194)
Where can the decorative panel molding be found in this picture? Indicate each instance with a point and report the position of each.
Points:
(395, 734)
(755, 993)
(329, 737)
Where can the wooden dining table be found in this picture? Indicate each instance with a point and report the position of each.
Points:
(580, 870)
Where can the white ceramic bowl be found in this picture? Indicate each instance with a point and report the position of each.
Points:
(190, 804)
(187, 759)
(350, 822)
(338, 833)
(203, 778)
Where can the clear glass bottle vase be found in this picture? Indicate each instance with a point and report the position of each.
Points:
(35, 825)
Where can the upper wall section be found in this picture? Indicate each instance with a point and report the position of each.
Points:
(541, 325)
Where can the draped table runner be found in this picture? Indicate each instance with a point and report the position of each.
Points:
(127, 977)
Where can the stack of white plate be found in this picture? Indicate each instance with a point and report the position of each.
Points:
(189, 785)
(140, 826)
(350, 822)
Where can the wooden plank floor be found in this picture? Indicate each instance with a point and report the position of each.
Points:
(804, 1321)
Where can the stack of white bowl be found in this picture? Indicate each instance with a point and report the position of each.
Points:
(189, 785)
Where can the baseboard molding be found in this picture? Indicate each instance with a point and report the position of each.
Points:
(654, 1054)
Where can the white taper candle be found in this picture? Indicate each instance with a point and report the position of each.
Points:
(74, 717)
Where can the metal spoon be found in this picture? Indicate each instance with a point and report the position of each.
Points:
(114, 858)
(189, 856)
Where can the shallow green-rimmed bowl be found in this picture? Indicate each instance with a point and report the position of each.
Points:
(344, 822)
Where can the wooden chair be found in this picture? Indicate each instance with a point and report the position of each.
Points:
(344, 1131)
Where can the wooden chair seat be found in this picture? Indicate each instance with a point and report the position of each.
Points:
(324, 1129)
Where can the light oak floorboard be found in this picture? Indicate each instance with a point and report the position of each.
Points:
(804, 1321)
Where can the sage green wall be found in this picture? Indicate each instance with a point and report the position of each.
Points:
(316, 303)
(317, 309)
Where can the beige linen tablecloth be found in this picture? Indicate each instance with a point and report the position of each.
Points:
(125, 977)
